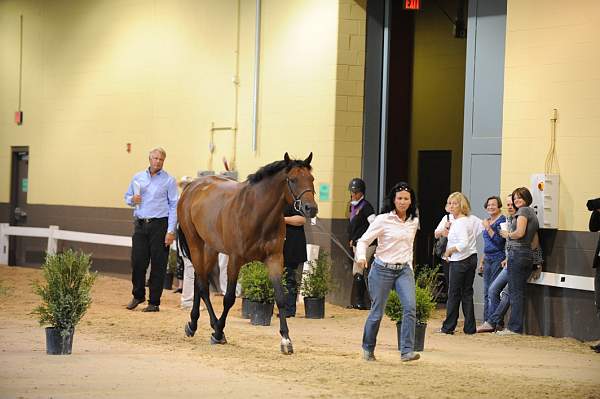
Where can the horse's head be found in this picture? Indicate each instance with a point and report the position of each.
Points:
(300, 182)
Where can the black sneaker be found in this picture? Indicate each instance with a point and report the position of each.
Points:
(151, 308)
(410, 356)
(134, 303)
(368, 356)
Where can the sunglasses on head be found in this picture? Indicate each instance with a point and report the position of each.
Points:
(403, 188)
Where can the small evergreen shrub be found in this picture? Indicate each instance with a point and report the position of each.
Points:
(315, 281)
(66, 291)
(255, 282)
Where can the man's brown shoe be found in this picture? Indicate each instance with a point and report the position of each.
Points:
(151, 308)
(134, 303)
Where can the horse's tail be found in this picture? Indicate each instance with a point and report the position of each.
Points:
(182, 243)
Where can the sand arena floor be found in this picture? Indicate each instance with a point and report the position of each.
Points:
(130, 354)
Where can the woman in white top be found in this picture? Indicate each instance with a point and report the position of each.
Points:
(395, 229)
(461, 254)
(442, 230)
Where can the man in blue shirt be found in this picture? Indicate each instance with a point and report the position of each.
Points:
(153, 194)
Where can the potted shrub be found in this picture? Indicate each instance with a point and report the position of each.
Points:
(393, 310)
(425, 285)
(171, 269)
(66, 296)
(315, 285)
(258, 290)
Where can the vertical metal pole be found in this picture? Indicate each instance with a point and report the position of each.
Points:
(384, 101)
(20, 62)
(256, 76)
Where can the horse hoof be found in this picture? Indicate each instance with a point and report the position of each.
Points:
(286, 347)
(214, 341)
(188, 330)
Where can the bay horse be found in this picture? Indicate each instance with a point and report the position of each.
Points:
(245, 221)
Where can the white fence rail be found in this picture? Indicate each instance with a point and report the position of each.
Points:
(54, 233)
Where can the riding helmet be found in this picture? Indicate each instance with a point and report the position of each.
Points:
(357, 185)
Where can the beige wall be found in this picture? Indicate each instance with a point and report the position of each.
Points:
(97, 75)
(553, 61)
(438, 90)
(347, 140)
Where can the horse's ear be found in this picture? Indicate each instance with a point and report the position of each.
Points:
(286, 158)
(308, 159)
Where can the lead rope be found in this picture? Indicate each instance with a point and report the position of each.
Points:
(298, 203)
(335, 240)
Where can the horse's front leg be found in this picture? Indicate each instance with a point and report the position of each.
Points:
(274, 264)
(286, 343)
(233, 269)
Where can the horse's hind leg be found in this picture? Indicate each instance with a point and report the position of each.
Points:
(210, 258)
(197, 256)
(192, 325)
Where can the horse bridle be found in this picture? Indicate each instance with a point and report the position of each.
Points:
(297, 201)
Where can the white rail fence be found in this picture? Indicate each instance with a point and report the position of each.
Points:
(54, 233)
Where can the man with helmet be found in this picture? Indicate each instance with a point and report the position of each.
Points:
(361, 214)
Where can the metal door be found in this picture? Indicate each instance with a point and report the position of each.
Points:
(18, 203)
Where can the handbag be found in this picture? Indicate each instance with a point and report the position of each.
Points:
(537, 257)
(439, 247)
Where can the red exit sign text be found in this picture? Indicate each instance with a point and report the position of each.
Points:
(412, 4)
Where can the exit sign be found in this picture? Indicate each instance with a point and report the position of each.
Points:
(411, 4)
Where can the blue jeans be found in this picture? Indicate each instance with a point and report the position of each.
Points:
(498, 298)
(491, 270)
(520, 265)
(381, 281)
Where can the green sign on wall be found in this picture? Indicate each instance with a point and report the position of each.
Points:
(324, 192)
(24, 185)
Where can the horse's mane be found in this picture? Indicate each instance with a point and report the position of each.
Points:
(274, 168)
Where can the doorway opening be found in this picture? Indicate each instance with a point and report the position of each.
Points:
(427, 66)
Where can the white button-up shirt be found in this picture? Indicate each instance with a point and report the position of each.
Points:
(395, 239)
(463, 235)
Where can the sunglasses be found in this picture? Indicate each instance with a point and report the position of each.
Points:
(403, 188)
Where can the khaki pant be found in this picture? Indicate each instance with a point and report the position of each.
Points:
(356, 268)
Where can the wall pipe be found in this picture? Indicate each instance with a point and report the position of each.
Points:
(256, 76)
(384, 101)
(236, 82)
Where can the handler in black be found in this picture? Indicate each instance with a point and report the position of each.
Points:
(594, 206)
(361, 214)
(294, 254)
(153, 194)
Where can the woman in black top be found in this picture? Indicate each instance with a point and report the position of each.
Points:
(294, 254)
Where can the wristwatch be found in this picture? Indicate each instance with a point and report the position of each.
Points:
(171, 232)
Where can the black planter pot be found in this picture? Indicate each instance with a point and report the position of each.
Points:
(399, 333)
(247, 308)
(261, 314)
(57, 343)
(420, 329)
(314, 308)
(168, 284)
(419, 344)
